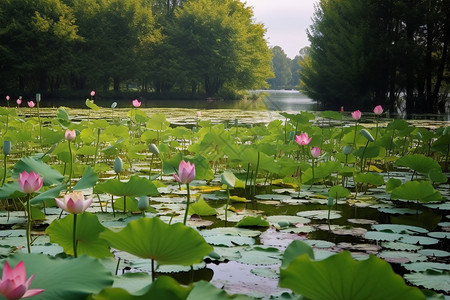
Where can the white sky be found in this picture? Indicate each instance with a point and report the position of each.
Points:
(286, 22)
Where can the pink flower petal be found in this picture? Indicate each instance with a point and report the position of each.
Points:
(32, 292)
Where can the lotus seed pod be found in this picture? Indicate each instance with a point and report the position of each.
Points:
(330, 201)
(6, 147)
(291, 135)
(143, 203)
(347, 150)
(118, 165)
(367, 135)
(153, 149)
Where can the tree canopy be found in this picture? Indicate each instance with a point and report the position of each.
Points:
(369, 52)
(54, 46)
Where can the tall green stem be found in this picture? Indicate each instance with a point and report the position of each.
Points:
(362, 157)
(40, 124)
(71, 165)
(4, 169)
(29, 223)
(354, 138)
(187, 203)
(96, 147)
(75, 242)
(226, 206)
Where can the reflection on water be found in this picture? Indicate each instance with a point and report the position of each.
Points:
(288, 100)
(272, 100)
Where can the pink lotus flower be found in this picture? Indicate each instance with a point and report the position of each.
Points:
(19, 101)
(342, 109)
(74, 203)
(315, 152)
(7, 98)
(199, 114)
(31, 104)
(14, 284)
(70, 135)
(356, 115)
(186, 172)
(30, 183)
(136, 103)
(378, 110)
(303, 139)
(92, 93)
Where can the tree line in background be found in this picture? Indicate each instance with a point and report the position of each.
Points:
(195, 47)
(369, 52)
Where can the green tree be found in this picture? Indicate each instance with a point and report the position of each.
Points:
(220, 47)
(281, 65)
(37, 38)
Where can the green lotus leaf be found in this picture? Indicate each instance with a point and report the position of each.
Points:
(135, 187)
(202, 208)
(49, 194)
(329, 114)
(51, 176)
(441, 144)
(338, 192)
(68, 279)
(60, 231)
(421, 191)
(376, 152)
(92, 105)
(418, 162)
(206, 291)
(11, 190)
(438, 281)
(369, 178)
(436, 176)
(88, 180)
(294, 250)
(163, 287)
(158, 122)
(392, 183)
(341, 277)
(170, 166)
(114, 148)
(397, 124)
(253, 222)
(63, 117)
(322, 171)
(175, 244)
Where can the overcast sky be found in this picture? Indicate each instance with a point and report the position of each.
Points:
(286, 22)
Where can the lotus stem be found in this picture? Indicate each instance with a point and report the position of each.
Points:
(4, 169)
(376, 132)
(150, 171)
(226, 205)
(96, 147)
(29, 223)
(117, 266)
(312, 165)
(362, 157)
(354, 138)
(187, 204)
(100, 202)
(71, 166)
(75, 244)
(40, 124)
(256, 175)
(124, 204)
(153, 270)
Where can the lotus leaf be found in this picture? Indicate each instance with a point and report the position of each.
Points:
(202, 208)
(135, 187)
(421, 191)
(51, 176)
(341, 277)
(154, 239)
(418, 162)
(92, 105)
(88, 180)
(438, 281)
(253, 222)
(370, 178)
(338, 192)
(88, 230)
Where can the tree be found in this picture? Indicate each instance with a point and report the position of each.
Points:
(281, 65)
(219, 47)
(37, 38)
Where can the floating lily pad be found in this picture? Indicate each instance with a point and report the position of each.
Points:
(272, 197)
(362, 221)
(434, 252)
(418, 240)
(291, 220)
(259, 256)
(399, 211)
(423, 266)
(229, 240)
(320, 214)
(431, 280)
(230, 231)
(444, 224)
(401, 256)
(266, 272)
(400, 246)
(382, 236)
(441, 206)
(398, 228)
(439, 235)
(320, 243)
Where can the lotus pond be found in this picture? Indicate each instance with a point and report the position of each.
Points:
(278, 206)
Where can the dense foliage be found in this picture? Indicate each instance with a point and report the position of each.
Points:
(54, 46)
(367, 52)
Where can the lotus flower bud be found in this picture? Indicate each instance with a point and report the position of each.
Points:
(228, 178)
(114, 105)
(356, 115)
(6, 147)
(30, 182)
(186, 172)
(378, 110)
(70, 135)
(330, 201)
(143, 203)
(118, 165)
(367, 135)
(136, 103)
(347, 150)
(38, 97)
(315, 152)
(153, 149)
(291, 135)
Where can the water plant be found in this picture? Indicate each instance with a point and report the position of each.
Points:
(186, 173)
(14, 283)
